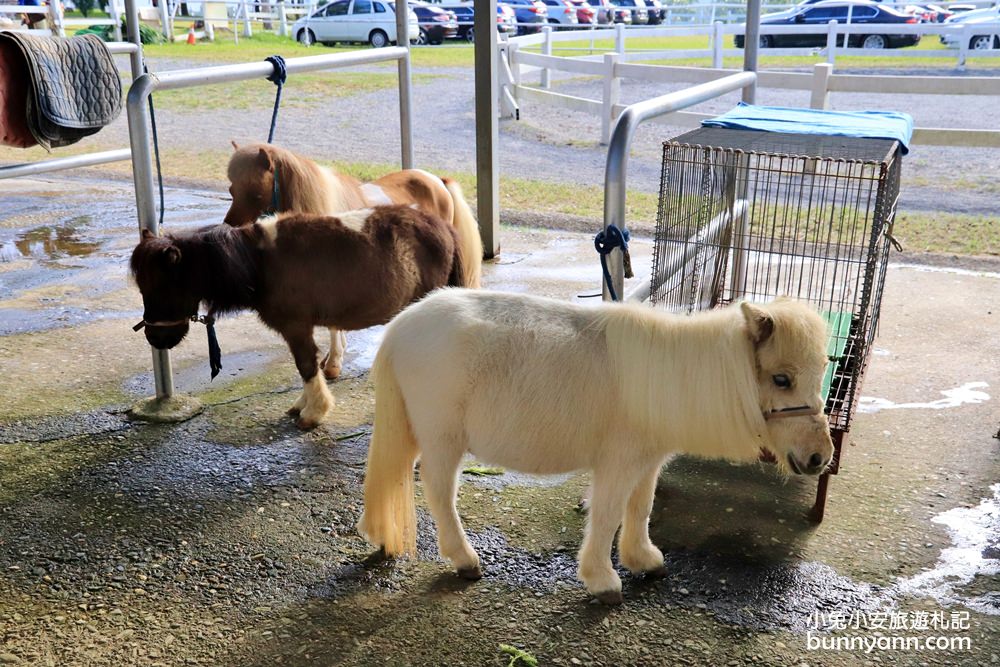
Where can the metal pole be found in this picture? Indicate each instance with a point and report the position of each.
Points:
(405, 87)
(132, 28)
(751, 45)
(487, 127)
(621, 140)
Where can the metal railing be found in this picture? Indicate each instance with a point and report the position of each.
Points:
(140, 136)
(616, 169)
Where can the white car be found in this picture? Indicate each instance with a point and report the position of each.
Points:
(562, 12)
(990, 37)
(372, 21)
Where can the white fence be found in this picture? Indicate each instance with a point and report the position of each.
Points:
(517, 64)
(58, 24)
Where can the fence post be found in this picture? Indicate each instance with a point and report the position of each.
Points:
(56, 10)
(168, 33)
(209, 31)
(620, 38)
(116, 16)
(831, 42)
(820, 98)
(717, 38)
(282, 19)
(247, 30)
(546, 51)
(611, 97)
(963, 45)
(515, 67)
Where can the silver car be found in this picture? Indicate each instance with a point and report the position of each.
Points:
(372, 21)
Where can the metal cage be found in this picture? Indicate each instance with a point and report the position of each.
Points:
(757, 215)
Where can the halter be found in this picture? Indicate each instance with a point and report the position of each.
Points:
(798, 411)
(275, 193)
(204, 319)
(214, 351)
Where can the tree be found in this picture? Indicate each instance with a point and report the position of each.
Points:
(85, 6)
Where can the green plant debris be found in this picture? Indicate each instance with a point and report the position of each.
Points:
(480, 470)
(518, 657)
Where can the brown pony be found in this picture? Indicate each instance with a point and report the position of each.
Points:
(297, 271)
(267, 179)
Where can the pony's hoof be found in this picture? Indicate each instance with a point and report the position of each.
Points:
(474, 573)
(294, 411)
(610, 598)
(331, 373)
(306, 424)
(657, 573)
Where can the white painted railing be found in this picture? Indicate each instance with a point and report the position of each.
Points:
(821, 82)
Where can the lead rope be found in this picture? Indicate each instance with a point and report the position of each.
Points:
(607, 240)
(156, 149)
(278, 78)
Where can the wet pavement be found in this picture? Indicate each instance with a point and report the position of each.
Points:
(229, 539)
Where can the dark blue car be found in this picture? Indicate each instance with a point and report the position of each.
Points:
(820, 14)
(532, 12)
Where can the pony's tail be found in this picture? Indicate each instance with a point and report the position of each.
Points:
(389, 519)
(468, 235)
(457, 276)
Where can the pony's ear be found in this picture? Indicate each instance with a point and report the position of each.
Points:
(264, 159)
(760, 324)
(173, 254)
(236, 146)
(145, 234)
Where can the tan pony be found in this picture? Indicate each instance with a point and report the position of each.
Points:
(267, 179)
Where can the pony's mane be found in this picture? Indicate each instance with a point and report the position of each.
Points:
(693, 376)
(307, 187)
(220, 261)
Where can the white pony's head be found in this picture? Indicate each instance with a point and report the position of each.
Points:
(790, 340)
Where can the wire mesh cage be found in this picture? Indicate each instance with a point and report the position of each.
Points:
(757, 215)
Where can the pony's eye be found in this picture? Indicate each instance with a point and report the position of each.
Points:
(782, 381)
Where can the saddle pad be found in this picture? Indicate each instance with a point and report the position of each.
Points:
(14, 129)
(75, 89)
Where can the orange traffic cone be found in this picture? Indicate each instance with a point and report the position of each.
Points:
(191, 39)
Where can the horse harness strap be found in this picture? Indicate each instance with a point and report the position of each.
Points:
(798, 411)
(204, 319)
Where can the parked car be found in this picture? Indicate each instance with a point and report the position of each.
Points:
(640, 15)
(656, 12)
(820, 13)
(585, 14)
(436, 23)
(534, 13)
(605, 13)
(943, 14)
(562, 13)
(372, 21)
(989, 39)
(465, 17)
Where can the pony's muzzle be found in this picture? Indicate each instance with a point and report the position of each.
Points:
(166, 337)
(816, 464)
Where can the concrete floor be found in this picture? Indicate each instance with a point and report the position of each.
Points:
(229, 540)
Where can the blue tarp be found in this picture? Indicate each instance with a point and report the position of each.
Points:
(868, 124)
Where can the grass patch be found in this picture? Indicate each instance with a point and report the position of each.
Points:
(948, 233)
(948, 57)
(479, 470)
(301, 91)
(263, 44)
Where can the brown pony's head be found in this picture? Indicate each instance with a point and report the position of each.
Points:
(252, 184)
(169, 299)
(789, 340)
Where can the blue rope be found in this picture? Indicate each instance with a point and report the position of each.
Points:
(156, 149)
(606, 241)
(278, 77)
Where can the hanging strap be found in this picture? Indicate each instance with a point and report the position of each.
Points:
(607, 240)
(278, 77)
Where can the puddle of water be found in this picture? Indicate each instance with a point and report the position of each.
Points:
(52, 242)
(975, 535)
(966, 394)
(945, 269)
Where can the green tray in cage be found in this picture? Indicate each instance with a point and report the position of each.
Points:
(840, 327)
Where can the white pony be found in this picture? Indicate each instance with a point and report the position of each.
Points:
(544, 386)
